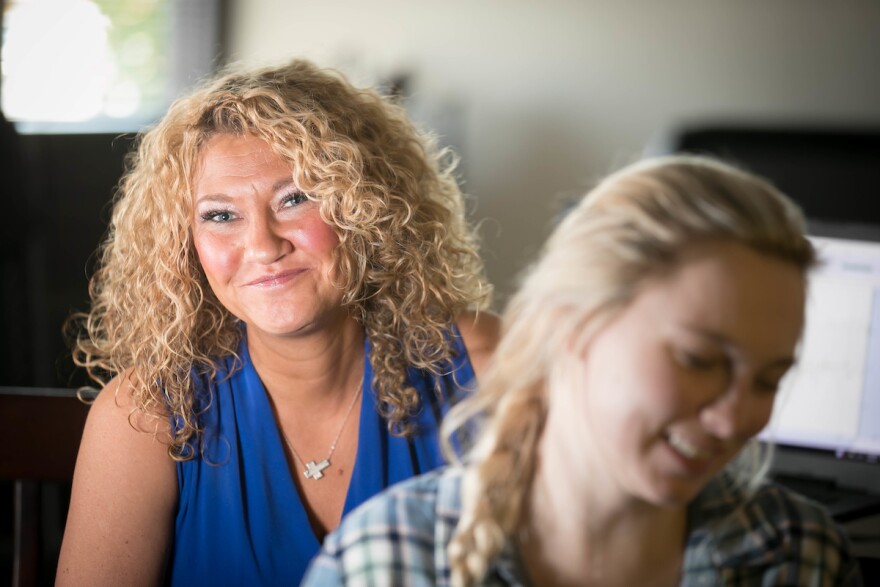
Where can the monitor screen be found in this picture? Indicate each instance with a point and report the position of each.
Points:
(830, 401)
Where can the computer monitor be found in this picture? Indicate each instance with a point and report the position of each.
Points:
(827, 415)
(832, 173)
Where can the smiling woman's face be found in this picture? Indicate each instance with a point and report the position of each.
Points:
(266, 252)
(675, 386)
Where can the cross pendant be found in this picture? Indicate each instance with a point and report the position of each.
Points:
(316, 470)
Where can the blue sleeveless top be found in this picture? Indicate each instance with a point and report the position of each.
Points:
(240, 520)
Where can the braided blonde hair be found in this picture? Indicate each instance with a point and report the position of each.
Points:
(407, 258)
(633, 226)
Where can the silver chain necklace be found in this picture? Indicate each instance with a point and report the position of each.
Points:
(315, 470)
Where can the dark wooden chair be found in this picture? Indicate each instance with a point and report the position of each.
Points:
(40, 430)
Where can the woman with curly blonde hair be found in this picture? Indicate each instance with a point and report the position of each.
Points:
(287, 303)
(637, 363)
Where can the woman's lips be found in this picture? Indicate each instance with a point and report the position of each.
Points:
(695, 459)
(686, 449)
(275, 279)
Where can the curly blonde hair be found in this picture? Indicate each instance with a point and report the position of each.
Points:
(631, 228)
(407, 259)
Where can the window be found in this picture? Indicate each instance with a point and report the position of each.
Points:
(102, 65)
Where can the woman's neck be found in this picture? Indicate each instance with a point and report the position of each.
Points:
(310, 368)
(580, 531)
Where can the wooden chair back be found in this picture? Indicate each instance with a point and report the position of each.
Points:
(40, 431)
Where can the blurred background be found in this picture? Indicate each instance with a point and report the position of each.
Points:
(540, 99)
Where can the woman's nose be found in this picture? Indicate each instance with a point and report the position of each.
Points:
(266, 244)
(737, 415)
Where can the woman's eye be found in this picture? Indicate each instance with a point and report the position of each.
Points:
(770, 383)
(698, 361)
(217, 216)
(293, 199)
(767, 386)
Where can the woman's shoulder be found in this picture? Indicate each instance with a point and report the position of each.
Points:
(772, 532)
(778, 502)
(726, 501)
(480, 331)
(119, 424)
(124, 492)
(117, 402)
(406, 519)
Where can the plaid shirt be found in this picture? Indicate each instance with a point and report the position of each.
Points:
(774, 538)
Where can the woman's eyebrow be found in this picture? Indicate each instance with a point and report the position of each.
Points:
(282, 183)
(721, 340)
(782, 363)
(215, 197)
(221, 197)
(712, 335)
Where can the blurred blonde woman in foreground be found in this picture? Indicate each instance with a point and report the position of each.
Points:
(638, 362)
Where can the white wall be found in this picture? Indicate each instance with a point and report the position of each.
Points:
(551, 94)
